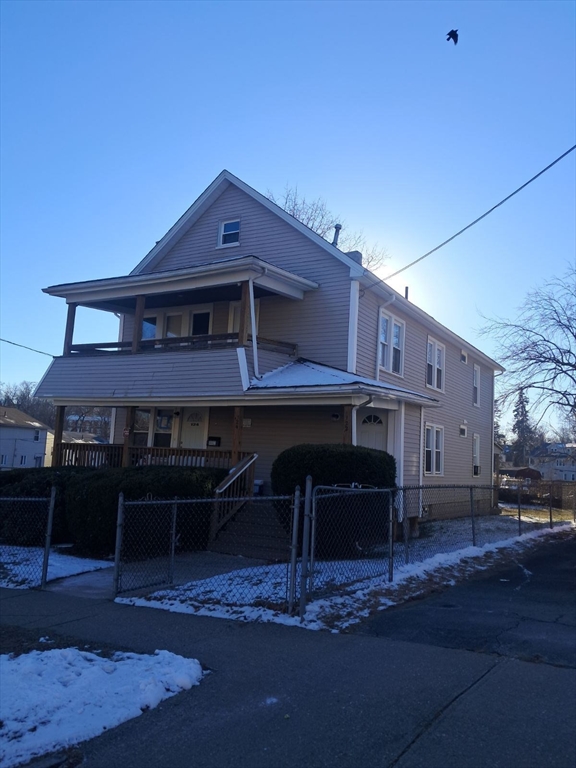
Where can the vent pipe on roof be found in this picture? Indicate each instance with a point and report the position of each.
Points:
(406, 293)
(337, 228)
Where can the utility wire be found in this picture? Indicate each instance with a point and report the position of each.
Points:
(475, 220)
(24, 347)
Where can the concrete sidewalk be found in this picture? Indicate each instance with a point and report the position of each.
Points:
(279, 696)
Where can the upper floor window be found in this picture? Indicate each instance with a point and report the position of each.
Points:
(434, 450)
(200, 323)
(149, 328)
(435, 356)
(463, 356)
(229, 233)
(36, 435)
(476, 385)
(391, 352)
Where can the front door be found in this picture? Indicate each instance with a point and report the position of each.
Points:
(373, 428)
(194, 430)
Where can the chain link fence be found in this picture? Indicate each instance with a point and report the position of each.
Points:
(25, 534)
(538, 503)
(172, 544)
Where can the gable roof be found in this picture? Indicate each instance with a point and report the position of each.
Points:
(12, 417)
(212, 193)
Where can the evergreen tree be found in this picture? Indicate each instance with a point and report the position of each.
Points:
(524, 430)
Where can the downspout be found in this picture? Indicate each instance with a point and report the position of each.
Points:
(391, 300)
(253, 326)
(421, 462)
(353, 419)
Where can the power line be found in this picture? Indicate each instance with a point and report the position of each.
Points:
(475, 220)
(25, 347)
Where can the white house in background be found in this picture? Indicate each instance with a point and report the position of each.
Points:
(555, 461)
(244, 332)
(22, 440)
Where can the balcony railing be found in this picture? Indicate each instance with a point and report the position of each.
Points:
(96, 455)
(212, 341)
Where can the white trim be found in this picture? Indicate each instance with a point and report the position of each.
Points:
(392, 320)
(476, 454)
(253, 327)
(436, 347)
(434, 429)
(353, 325)
(221, 233)
(476, 368)
(243, 366)
(400, 459)
(421, 462)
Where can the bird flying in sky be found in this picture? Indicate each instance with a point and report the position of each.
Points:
(453, 35)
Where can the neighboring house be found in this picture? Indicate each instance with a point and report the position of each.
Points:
(22, 439)
(244, 331)
(69, 437)
(555, 461)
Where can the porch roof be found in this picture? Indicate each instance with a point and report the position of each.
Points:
(305, 376)
(216, 280)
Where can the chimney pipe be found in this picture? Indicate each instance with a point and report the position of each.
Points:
(406, 293)
(337, 228)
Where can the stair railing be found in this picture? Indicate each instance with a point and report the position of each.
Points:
(232, 493)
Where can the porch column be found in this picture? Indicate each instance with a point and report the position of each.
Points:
(237, 433)
(69, 333)
(347, 426)
(128, 435)
(138, 317)
(58, 429)
(244, 326)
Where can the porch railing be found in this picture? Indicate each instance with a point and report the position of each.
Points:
(232, 493)
(97, 455)
(211, 341)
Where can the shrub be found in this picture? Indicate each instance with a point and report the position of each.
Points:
(92, 504)
(27, 528)
(346, 522)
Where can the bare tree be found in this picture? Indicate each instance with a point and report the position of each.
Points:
(316, 215)
(539, 347)
(21, 396)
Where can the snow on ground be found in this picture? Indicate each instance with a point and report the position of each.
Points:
(21, 567)
(54, 699)
(359, 592)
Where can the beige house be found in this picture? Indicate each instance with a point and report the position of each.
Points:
(243, 331)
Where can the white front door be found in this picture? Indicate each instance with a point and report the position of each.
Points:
(194, 429)
(373, 428)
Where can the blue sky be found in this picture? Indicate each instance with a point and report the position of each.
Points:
(117, 115)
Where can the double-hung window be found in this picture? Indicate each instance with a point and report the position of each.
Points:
(391, 344)
(476, 455)
(476, 385)
(435, 364)
(434, 450)
(229, 233)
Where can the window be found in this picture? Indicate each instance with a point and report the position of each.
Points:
(476, 455)
(173, 326)
(4, 460)
(199, 323)
(148, 328)
(463, 430)
(463, 356)
(23, 460)
(234, 316)
(434, 450)
(229, 233)
(435, 355)
(38, 461)
(476, 385)
(163, 428)
(141, 426)
(36, 435)
(391, 352)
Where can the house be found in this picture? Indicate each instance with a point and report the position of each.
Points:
(22, 439)
(244, 332)
(555, 461)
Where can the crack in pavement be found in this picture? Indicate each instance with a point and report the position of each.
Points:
(426, 727)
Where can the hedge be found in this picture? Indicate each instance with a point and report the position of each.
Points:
(346, 523)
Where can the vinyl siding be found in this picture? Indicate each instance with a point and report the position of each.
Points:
(318, 323)
(174, 375)
(411, 445)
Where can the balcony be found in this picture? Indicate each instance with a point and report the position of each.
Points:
(96, 455)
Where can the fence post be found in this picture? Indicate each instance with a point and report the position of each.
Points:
(118, 550)
(472, 515)
(519, 510)
(294, 549)
(550, 503)
(405, 526)
(305, 547)
(390, 537)
(172, 541)
(49, 524)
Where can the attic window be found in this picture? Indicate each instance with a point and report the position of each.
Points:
(229, 233)
(463, 356)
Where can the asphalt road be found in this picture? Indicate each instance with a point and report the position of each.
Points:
(479, 676)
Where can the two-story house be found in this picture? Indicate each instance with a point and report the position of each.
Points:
(22, 439)
(555, 461)
(244, 331)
